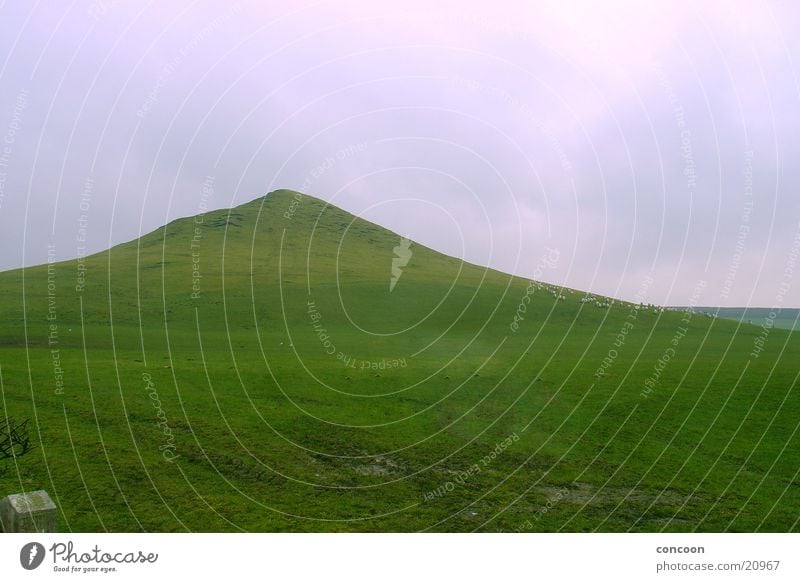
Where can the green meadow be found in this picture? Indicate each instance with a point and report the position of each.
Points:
(251, 370)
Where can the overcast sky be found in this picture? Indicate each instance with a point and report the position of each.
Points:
(639, 141)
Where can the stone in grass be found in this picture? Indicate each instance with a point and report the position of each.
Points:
(32, 512)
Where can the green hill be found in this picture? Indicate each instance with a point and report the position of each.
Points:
(256, 369)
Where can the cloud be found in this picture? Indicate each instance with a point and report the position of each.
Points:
(617, 132)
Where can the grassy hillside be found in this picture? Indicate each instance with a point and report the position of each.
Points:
(251, 370)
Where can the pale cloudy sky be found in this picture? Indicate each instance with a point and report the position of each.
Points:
(637, 138)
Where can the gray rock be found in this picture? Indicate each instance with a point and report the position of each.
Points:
(32, 512)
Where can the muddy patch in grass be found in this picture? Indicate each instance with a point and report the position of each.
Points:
(588, 494)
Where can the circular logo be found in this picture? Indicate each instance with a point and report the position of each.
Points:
(31, 555)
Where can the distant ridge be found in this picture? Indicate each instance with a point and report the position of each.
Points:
(781, 318)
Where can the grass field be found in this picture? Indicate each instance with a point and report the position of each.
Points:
(251, 370)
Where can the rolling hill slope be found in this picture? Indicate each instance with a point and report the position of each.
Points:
(252, 370)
